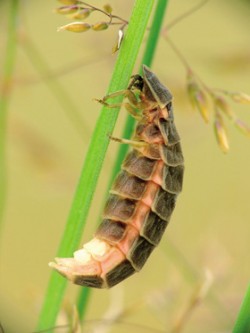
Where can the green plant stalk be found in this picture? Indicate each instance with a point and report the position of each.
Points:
(94, 159)
(147, 58)
(242, 324)
(82, 301)
(154, 32)
(8, 69)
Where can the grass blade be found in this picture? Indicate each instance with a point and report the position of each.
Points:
(242, 324)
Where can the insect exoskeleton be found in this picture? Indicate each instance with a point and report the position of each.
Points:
(143, 196)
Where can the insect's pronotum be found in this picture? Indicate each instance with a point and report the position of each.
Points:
(142, 197)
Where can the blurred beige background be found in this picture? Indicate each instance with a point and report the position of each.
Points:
(46, 147)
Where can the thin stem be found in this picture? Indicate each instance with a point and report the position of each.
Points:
(242, 324)
(191, 275)
(65, 101)
(185, 14)
(5, 93)
(186, 64)
(65, 70)
(178, 53)
(111, 16)
(94, 159)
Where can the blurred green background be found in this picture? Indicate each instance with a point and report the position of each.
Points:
(50, 120)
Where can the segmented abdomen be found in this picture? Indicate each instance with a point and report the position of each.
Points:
(141, 200)
(139, 206)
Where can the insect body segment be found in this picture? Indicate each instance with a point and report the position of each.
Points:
(142, 198)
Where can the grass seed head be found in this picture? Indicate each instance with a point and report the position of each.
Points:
(82, 14)
(242, 127)
(197, 97)
(100, 26)
(240, 97)
(117, 45)
(220, 133)
(108, 9)
(75, 27)
(67, 10)
(222, 105)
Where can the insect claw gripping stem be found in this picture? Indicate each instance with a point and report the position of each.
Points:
(128, 93)
(101, 101)
(143, 195)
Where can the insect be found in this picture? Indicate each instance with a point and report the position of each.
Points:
(143, 196)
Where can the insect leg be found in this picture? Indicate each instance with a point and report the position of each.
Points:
(132, 110)
(131, 106)
(133, 143)
(125, 93)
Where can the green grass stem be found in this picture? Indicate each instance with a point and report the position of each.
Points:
(94, 159)
(154, 33)
(5, 93)
(148, 55)
(242, 324)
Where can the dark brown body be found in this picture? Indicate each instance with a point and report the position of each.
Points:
(142, 198)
